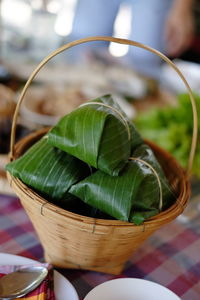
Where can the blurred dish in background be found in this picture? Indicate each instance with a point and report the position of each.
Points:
(7, 108)
(45, 104)
(7, 104)
(127, 83)
(190, 70)
(93, 79)
(46, 101)
(117, 78)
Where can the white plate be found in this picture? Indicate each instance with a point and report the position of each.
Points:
(130, 289)
(63, 288)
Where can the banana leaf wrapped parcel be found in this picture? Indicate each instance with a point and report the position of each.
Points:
(49, 170)
(97, 133)
(94, 162)
(139, 192)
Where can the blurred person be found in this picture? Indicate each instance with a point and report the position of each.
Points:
(166, 25)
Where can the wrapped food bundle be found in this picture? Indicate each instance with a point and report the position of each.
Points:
(97, 133)
(95, 158)
(135, 195)
(49, 170)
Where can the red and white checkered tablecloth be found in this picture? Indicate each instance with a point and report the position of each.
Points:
(170, 257)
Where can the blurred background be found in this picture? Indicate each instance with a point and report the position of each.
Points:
(148, 90)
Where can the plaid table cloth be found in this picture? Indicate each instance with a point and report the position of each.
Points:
(170, 257)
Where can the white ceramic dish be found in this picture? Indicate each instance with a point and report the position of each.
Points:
(63, 288)
(130, 289)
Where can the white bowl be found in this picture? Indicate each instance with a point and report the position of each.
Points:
(130, 289)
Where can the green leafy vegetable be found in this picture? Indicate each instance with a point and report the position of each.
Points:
(171, 128)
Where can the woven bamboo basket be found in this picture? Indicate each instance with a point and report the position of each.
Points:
(78, 242)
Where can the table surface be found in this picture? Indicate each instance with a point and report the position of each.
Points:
(171, 256)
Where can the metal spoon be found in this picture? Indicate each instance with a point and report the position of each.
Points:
(21, 282)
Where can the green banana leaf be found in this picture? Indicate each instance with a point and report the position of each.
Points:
(102, 137)
(49, 170)
(134, 195)
(97, 134)
(145, 153)
(136, 138)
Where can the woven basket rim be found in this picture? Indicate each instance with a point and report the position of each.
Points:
(169, 214)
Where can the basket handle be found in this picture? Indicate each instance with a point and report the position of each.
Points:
(120, 41)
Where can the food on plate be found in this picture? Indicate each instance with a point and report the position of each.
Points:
(53, 100)
(58, 103)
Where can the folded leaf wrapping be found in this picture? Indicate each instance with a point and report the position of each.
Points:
(136, 139)
(48, 170)
(97, 133)
(134, 195)
(129, 183)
